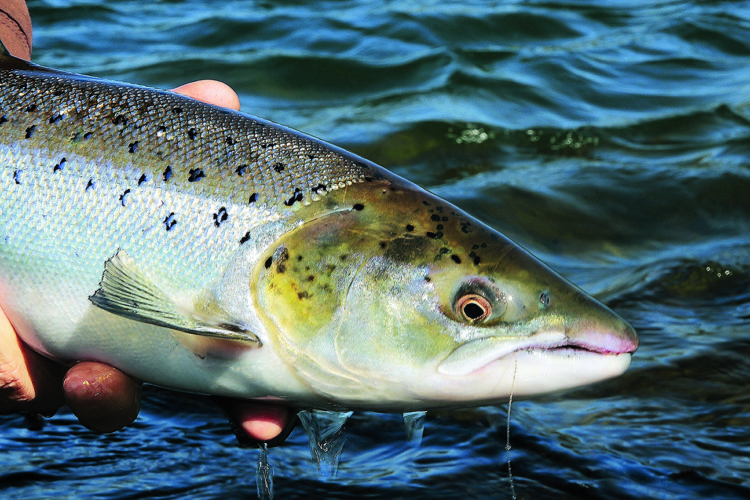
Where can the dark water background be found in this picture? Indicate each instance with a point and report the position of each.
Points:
(611, 140)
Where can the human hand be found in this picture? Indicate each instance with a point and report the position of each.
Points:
(103, 398)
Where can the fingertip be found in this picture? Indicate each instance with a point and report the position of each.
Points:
(263, 424)
(103, 398)
(212, 92)
(255, 422)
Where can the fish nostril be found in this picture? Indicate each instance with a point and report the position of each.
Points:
(544, 299)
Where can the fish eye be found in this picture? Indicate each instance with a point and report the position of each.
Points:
(478, 301)
(473, 308)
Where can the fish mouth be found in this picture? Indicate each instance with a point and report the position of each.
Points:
(597, 342)
(476, 354)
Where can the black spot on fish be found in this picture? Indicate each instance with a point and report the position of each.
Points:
(120, 120)
(444, 250)
(123, 195)
(161, 129)
(310, 278)
(196, 174)
(59, 166)
(430, 234)
(142, 179)
(192, 134)
(311, 156)
(435, 217)
(30, 131)
(439, 227)
(90, 184)
(456, 258)
(87, 135)
(319, 187)
(241, 169)
(474, 246)
(297, 196)
(169, 221)
(177, 110)
(245, 238)
(427, 279)
(167, 174)
(132, 147)
(266, 145)
(253, 198)
(268, 262)
(17, 176)
(409, 228)
(230, 141)
(278, 167)
(358, 207)
(282, 256)
(3, 119)
(220, 216)
(302, 295)
(31, 108)
(426, 203)
(475, 258)
(465, 227)
(383, 244)
(55, 118)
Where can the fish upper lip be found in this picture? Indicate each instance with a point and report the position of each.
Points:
(596, 342)
(478, 353)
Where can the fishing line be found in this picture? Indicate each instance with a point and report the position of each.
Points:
(507, 431)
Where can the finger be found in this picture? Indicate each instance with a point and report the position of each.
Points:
(28, 381)
(102, 397)
(255, 423)
(212, 92)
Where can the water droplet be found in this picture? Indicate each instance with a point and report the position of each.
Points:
(325, 430)
(414, 424)
(264, 475)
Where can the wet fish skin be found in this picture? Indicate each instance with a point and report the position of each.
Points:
(204, 250)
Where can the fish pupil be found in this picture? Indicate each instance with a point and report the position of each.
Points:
(473, 311)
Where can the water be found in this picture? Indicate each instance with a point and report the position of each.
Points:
(612, 141)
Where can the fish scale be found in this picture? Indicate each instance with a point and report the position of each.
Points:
(205, 250)
(211, 151)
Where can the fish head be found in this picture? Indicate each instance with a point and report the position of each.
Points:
(396, 300)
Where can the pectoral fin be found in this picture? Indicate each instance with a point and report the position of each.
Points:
(126, 291)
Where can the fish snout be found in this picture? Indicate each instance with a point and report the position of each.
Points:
(615, 336)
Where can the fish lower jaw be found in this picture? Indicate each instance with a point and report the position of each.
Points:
(540, 371)
(529, 372)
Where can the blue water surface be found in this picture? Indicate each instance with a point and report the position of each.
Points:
(612, 139)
